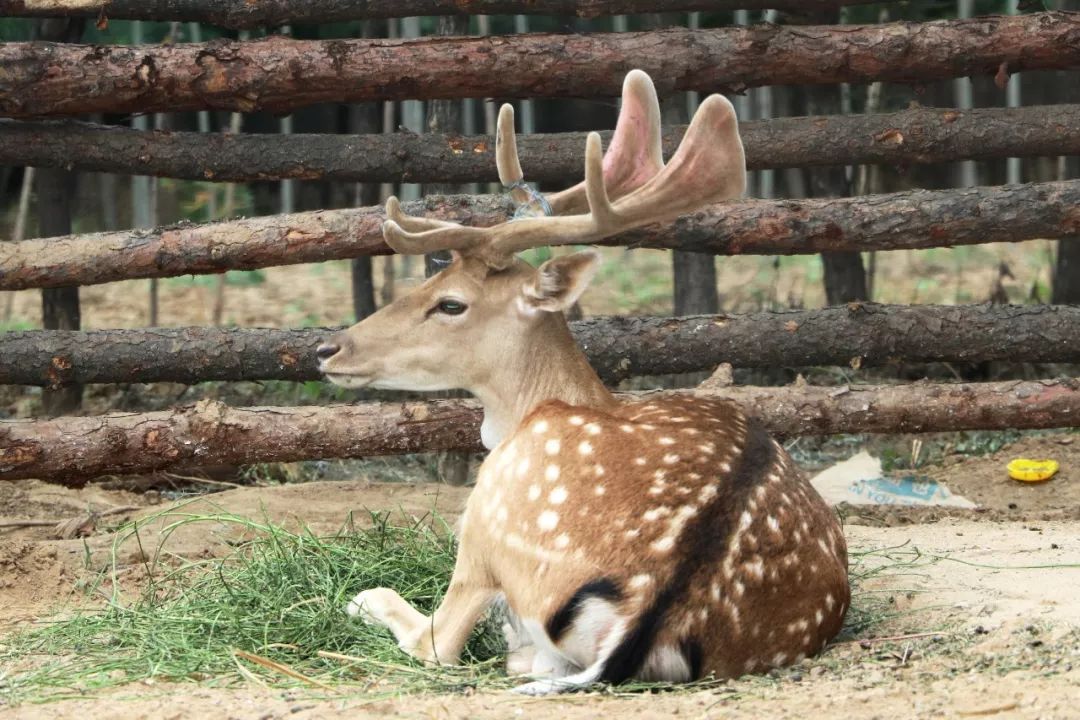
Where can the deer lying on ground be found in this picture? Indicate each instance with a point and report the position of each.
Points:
(669, 539)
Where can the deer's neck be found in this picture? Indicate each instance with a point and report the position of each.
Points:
(549, 366)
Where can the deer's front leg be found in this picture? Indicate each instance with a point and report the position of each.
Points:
(437, 639)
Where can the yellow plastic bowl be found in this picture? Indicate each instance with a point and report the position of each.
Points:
(1026, 470)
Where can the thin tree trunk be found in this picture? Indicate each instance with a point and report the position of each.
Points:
(55, 195)
(276, 75)
(1066, 282)
(249, 14)
(365, 120)
(867, 335)
(228, 208)
(897, 221)
(445, 117)
(1066, 279)
(844, 276)
(18, 233)
(693, 274)
(914, 136)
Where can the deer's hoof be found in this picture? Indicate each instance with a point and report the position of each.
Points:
(372, 606)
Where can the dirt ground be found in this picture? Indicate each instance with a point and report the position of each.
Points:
(1002, 582)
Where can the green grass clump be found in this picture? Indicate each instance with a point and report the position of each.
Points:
(264, 614)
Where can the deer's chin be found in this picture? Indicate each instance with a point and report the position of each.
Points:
(349, 381)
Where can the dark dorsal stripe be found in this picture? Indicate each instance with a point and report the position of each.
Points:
(603, 588)
(703, 541)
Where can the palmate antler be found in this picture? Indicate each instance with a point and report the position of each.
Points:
(628, 188)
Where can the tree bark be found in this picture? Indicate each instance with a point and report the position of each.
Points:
(908, 220)
(73, 450)
(245, 14)
(55, 190)
(844, 276)
(694, 276)
(445, 116)
(910, 137)
(1066, 283)
(617, 347)
(278, 73)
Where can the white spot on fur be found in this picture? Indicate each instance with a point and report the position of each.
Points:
(522, 468)
(540, 426)
(500, 514)
(640, 461)
(651, 515)
(585, 448)
(640, 581)
(576, 420)
(632, 533)
(598, 470)
(562, 541)
(744, 520)
(779, 659)
(534, 492)
(551, 447)
(671, 458)
(774, 524)
(739, 588)
(819, 617)
(755, 568)
(599, 490)
(592, 429)
(551, 472)
(830, 601)
(714, 591)
(666, 441)
(558, 496)
(664, 544)
(547, 520)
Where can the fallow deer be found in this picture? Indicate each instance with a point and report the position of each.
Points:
(669, 539)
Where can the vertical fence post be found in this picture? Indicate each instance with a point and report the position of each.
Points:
(55, 197)
(965, 100)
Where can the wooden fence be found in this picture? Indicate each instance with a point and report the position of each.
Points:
(282, 74)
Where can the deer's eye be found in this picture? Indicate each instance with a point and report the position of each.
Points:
(451, 307)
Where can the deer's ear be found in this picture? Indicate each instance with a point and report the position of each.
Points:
(557, 284)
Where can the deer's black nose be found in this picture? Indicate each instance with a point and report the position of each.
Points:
(327, 351)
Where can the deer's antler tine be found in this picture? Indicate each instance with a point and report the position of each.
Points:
(708, 166)
(410, 235)
(600, 209)
(710, 156)
(635, 154)
(455, 237)
(506, 155)
(411, 223)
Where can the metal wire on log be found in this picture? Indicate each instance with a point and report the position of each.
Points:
(862, 335)
(909, 137)
(908, 220)
(280, 74)
(241, 14)
(72, 450)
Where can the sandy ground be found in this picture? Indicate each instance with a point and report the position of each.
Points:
(1007, 590)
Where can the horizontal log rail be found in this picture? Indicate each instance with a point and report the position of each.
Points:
(279, 74)
(908, 220)
(861, 334)
(74, 449)
(914, 136)
(244, 14)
